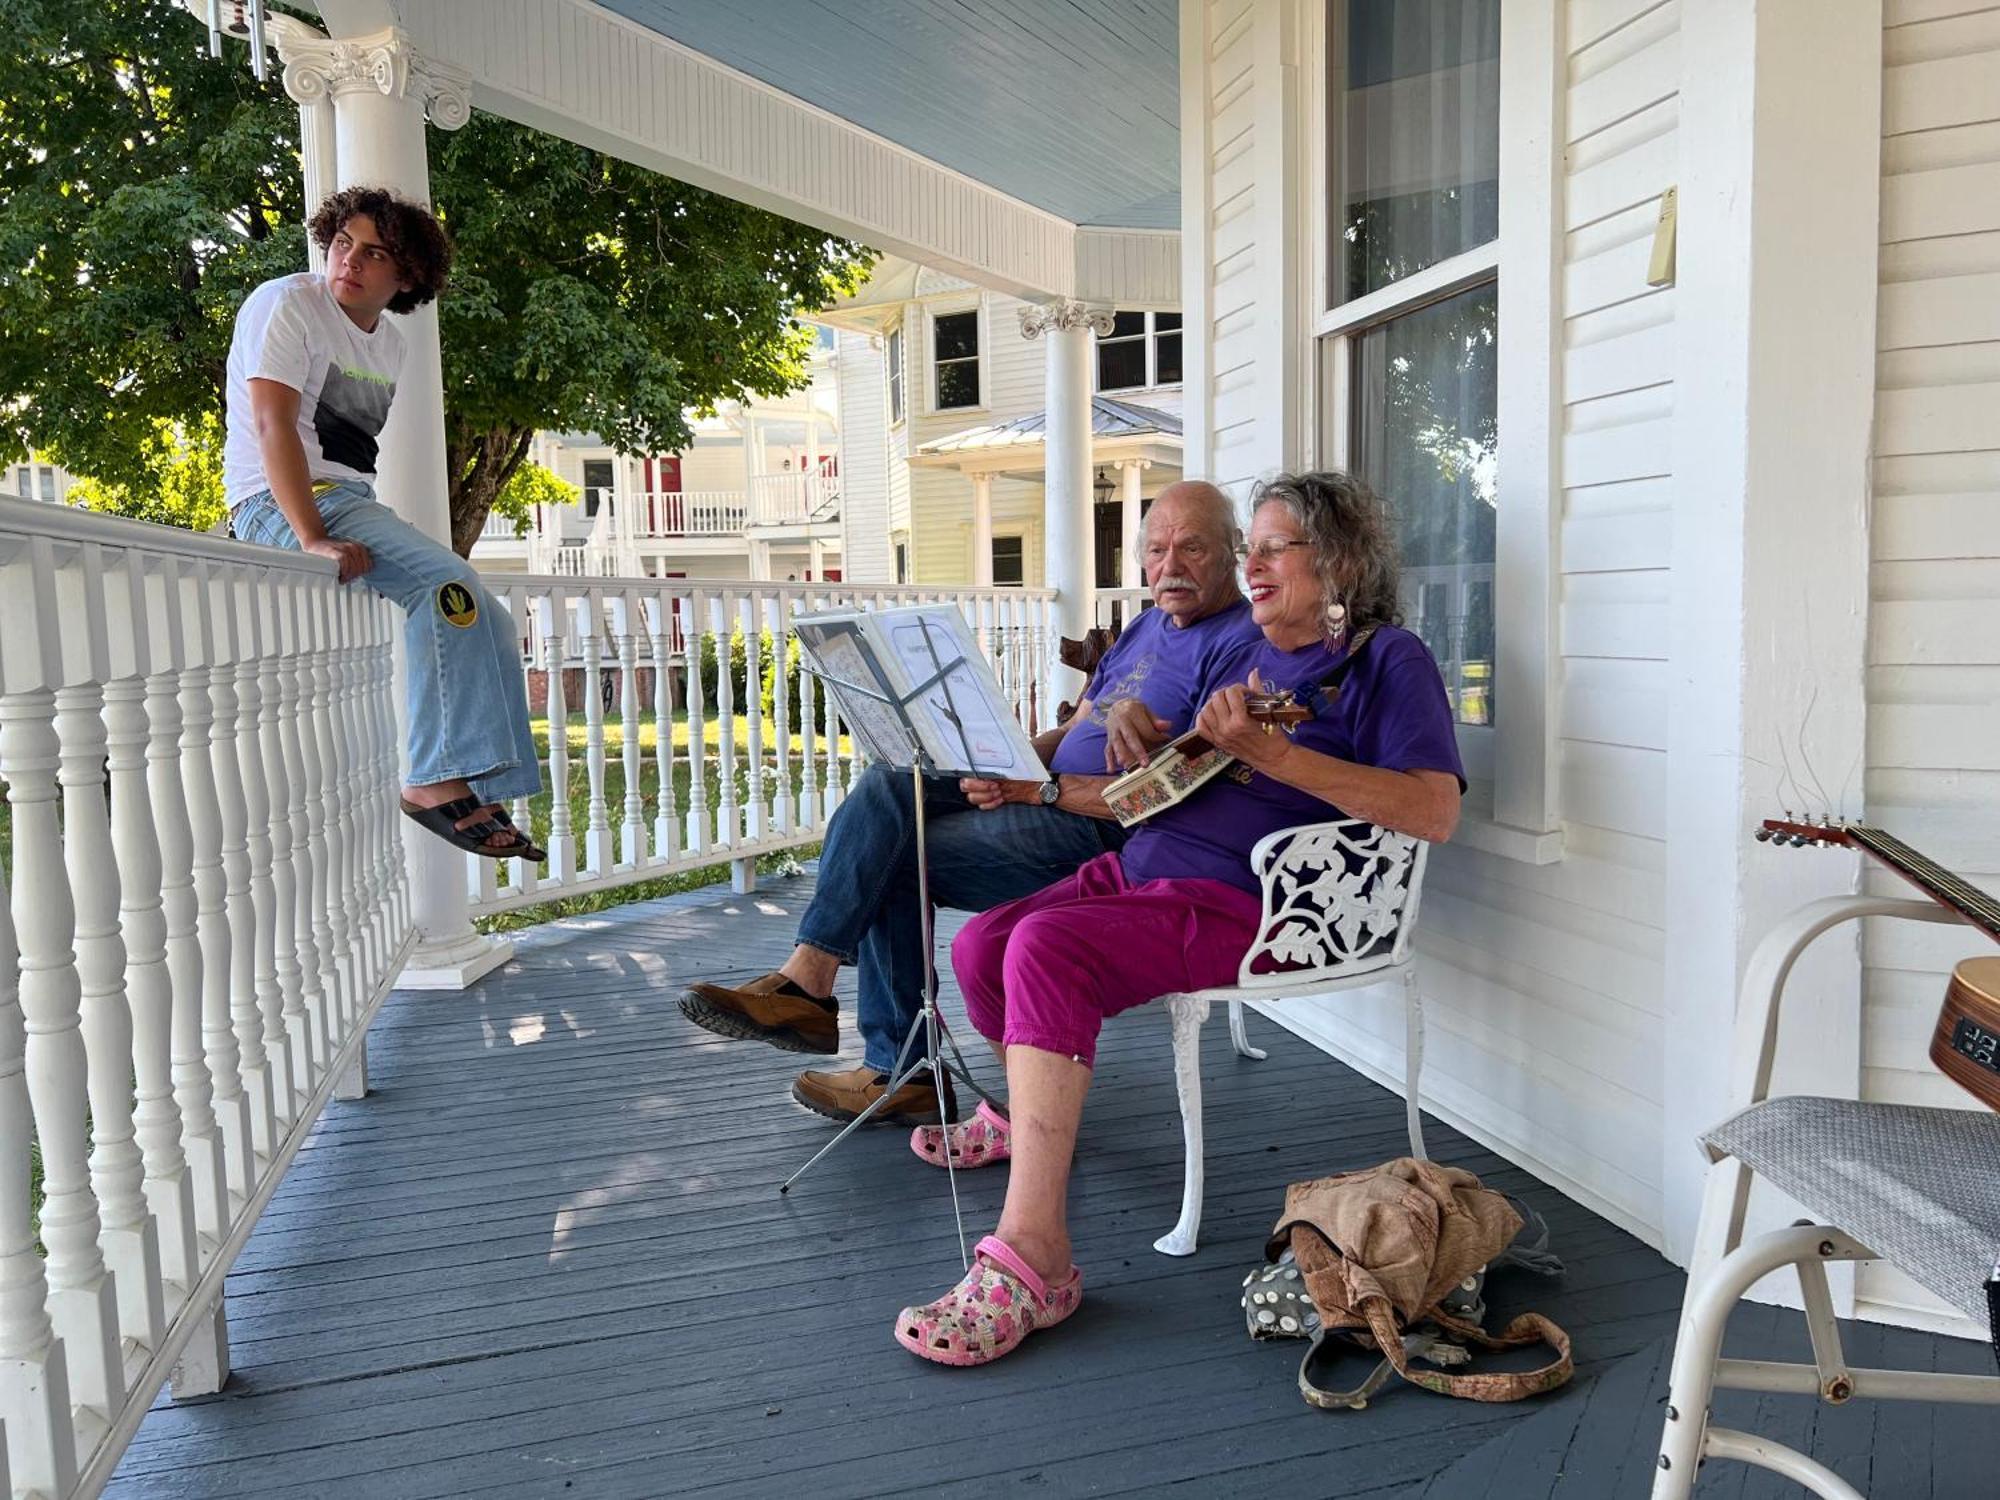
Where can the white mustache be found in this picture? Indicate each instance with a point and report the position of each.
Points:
(1176, 581)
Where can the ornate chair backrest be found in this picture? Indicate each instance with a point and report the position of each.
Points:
(1340, 901)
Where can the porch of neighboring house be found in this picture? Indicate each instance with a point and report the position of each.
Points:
(546, 1256)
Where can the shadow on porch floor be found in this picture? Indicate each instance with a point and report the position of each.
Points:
(546, 1257)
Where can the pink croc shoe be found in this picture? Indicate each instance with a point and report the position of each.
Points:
(981, 1141)
(998, 1303)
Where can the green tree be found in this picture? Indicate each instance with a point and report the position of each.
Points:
(149, 188)
(180, 481)
(531, 485)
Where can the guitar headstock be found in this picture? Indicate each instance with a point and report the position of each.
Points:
(1276, 708)
(1824, 833)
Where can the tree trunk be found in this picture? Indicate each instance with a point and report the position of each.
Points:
(481, 462)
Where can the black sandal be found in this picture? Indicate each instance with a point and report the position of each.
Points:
(443, 820)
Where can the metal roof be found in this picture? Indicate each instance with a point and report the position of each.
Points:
(1108, 419)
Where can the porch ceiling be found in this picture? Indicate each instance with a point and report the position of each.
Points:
(1071, 105)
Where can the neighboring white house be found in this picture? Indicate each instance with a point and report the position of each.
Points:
(757, 495)
(943, 401)
(36, 478)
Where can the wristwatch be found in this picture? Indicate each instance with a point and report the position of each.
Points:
(1049, 792)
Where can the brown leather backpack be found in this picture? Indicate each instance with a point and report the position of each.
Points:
(1379, 1249)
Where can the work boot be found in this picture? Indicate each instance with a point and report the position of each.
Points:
(768, 1009)
(844, 1094)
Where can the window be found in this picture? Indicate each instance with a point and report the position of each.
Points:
(1413, 193)
(596, 484)
(1142, 349)
(955, 352)
(902, 562)
(1009, 562)
(48, 477)
(896, 377)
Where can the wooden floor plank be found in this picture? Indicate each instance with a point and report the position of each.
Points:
(546, 1257)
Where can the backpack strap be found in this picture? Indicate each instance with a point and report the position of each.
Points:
(1512, 1385)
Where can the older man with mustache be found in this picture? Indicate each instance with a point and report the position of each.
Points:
(988, 841)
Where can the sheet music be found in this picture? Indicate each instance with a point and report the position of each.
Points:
(835, 643)
(964, 721)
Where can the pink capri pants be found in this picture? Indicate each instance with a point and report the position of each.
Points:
(1045, 971)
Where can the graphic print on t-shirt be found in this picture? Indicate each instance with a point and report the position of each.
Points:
(353, 405)
(1127, 686)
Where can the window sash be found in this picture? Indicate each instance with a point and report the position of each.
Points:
(1153, 333)
(895, 354)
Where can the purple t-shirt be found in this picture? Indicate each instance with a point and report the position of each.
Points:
(1390, 712)
(1164, 665)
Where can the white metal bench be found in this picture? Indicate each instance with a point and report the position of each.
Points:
(1881, 1181)
(1340, 911)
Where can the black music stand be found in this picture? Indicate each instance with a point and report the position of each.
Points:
(892, 736)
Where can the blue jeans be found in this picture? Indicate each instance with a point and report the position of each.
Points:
(468, 701)
(865, 910)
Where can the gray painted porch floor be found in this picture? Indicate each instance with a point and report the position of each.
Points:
(546, 1257)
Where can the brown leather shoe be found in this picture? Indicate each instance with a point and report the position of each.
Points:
(842, 1095)
(768, 1009)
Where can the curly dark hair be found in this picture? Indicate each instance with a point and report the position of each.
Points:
(1353, 538)
(409, 231)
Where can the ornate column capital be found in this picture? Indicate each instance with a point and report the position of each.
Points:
(1064, 315)
(319, 67)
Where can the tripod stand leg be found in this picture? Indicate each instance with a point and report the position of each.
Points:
(896, 1077)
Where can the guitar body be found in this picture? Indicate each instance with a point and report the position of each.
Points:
(1966, 1044)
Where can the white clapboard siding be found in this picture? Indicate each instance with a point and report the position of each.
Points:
(1933, 769)
(862, 373)
(1545, 982)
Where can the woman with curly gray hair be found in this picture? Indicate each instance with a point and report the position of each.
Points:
(1176, 909)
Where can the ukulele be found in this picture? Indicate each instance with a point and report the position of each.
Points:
(1966, 1044)
(1182, 767)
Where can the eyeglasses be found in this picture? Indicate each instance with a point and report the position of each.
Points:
(1268, 550)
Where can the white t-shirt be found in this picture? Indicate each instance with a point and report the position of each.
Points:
(292, 331)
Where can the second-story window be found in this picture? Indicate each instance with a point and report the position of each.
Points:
(1143, 349)
(896, 374)
(955, 352)
(1009, 562)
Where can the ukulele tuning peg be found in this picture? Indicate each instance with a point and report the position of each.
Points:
(1762, 835)
(1799, 841)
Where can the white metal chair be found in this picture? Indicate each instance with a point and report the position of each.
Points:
(1340, 910)
(1913, 1187)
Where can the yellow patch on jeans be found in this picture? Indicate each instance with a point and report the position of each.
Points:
(458, 604)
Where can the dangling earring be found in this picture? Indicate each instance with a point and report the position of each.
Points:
(1336, 620)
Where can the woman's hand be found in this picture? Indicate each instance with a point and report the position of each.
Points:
(1131, 735)
(1225, 723)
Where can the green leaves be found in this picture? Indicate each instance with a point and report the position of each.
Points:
(146, 188)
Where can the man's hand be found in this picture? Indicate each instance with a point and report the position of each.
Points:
(986, 794)
(1226, 724)
(1131, 735)
(350, 557)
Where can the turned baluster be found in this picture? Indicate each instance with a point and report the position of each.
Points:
(667, 809)
(632, 832)
(82, 1296)
(597, 828)
(694, 629)
(562, 842)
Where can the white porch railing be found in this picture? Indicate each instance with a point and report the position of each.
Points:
(765, 784)
(206, 904)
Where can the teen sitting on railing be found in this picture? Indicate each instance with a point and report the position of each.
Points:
(312, 371)
(1176, 909)
(1024, 835)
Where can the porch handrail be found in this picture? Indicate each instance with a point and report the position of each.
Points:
(205, 905)
(736, 801)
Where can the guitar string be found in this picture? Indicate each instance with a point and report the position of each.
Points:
(1901, 855)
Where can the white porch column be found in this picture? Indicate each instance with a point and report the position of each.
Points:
(1779, 159)
(1132, 471)
(382, 91)
(982, 530)
(1066, 495)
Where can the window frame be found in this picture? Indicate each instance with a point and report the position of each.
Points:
(952, 307)
(1149, 337)
(1514, 807)
(894, 356)
(1017, 535)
